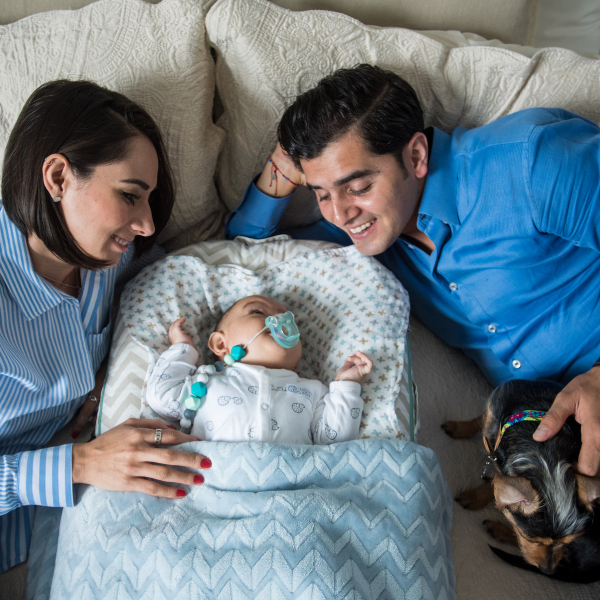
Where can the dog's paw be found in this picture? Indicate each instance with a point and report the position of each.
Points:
(501, 532)
(462, 429)
(476, 498)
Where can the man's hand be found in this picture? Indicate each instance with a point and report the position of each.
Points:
(177, 335)
(355, 368)
(581, 398)
(287, 168)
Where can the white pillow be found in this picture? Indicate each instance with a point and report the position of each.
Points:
(267, 55)
(343, 302)
(157, 55)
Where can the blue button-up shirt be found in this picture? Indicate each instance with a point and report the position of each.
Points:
(513, 209)
(51, 346)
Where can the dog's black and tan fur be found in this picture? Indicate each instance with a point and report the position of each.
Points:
(553, 510)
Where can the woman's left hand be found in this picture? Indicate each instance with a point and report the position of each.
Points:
(89, 407)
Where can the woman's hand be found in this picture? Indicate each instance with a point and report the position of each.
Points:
(123, 459)
(580, 398)
(285, 168)
(177, 335)
(355, 368)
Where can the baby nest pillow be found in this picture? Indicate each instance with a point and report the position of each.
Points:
(343, 302)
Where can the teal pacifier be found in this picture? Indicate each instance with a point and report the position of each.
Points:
(284, 329)
(285, 332)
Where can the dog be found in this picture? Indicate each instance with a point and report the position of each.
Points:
(553, 511)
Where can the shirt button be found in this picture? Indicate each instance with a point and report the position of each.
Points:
(516, 364)
(411, 246)
(264, 406)
(453, 286)
(492, 328)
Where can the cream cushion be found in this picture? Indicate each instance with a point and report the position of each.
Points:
(574, 24)
(267, 55)
(156, 55)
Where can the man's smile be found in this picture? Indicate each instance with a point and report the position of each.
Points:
(362, 227)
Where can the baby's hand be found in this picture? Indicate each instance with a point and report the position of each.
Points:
(177, 335)
(355, 368)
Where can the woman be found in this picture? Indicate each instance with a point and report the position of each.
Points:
(86, 187)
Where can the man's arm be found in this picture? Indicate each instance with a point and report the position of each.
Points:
(257, 216)
(564, 185)
(562, 164)
(580, 398)
(265, 200)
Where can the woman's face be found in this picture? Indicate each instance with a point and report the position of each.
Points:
(105, 212)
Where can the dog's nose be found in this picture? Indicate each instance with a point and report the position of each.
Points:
(547, 570)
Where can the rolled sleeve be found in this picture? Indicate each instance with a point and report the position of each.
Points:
(44, 477)
(257, 216)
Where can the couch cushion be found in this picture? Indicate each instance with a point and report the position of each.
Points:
(267, 55)
(155, 54)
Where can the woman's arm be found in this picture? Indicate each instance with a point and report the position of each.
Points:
(41, 477)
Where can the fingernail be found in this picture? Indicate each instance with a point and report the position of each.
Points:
(206, 463)
(75, 434)
(180, 493)
(171, 427)
(540, 432)
(198, 479)
(197, 439)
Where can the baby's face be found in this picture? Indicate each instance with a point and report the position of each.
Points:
(243, 321)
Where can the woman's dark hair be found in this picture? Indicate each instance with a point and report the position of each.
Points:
(90, 126)
(382, 107)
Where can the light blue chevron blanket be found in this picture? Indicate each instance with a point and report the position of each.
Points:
(363, 519)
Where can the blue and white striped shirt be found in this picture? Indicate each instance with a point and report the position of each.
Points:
(51, 346)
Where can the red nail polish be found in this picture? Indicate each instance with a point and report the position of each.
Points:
(198, 479)
(206, 463)
(180, 493)
(171, 427)
(75, 435)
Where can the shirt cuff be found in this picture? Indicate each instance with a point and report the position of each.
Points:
(257, 215)
(345, 386)
(45, 477)
(188, 354)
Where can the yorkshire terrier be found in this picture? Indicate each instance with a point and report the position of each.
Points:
(553, 511)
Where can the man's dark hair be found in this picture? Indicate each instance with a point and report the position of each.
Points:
(380, 105)
(90, 126)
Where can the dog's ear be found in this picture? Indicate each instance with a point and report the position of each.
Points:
(588, 489)
(515, 493)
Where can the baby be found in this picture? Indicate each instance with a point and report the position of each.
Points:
(260, 397)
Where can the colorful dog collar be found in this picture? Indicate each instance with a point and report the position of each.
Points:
(522, 415)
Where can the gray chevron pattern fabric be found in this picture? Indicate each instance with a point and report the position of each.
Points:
(365, 519)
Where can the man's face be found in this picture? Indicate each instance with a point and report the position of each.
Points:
(367, 195)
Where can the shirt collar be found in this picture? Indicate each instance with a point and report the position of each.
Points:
(31, 293)
(439, 193)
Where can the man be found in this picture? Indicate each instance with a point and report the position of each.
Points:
(494, 232)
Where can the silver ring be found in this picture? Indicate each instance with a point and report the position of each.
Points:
(157, 437)
(93, 398)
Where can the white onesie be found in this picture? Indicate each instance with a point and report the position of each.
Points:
(248, 402)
